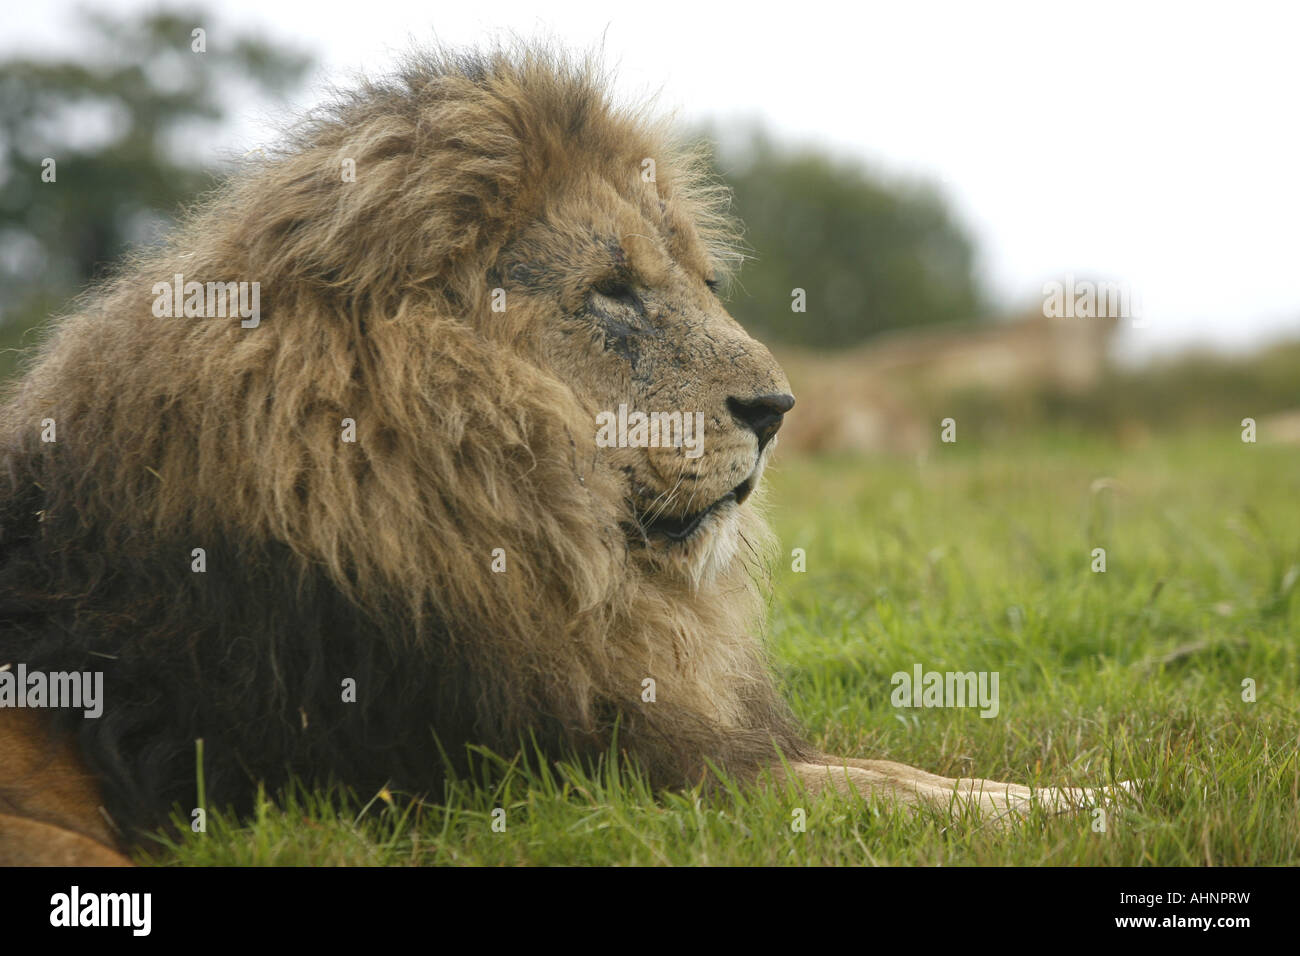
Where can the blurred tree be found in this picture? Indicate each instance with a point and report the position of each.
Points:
(118, 120)
(870, 255)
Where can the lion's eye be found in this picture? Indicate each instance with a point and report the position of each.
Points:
(714, 284)
(617, 290)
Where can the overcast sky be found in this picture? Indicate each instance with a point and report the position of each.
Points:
(1156, 144)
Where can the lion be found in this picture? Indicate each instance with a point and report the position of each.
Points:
(343, 534)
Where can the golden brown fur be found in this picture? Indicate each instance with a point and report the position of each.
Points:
(373, 559)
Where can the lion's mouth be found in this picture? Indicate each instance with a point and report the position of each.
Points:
(678, 528)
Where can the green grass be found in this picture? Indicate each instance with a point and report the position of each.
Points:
(978, 559)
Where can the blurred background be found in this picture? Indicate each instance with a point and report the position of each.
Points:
(1066, 229)
(1076, 217)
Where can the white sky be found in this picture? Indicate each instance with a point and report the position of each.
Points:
(1156, 144)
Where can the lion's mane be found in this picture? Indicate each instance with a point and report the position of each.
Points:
(371, 560)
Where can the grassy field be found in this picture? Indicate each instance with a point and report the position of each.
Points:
(978, 559)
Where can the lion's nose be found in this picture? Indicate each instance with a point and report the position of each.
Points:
(762, 414)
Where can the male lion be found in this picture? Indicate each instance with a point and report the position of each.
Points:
(371, 523)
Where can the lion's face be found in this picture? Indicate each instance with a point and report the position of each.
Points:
(684, 405)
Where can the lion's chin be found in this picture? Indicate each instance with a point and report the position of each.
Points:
(709, 546)
(698, 546)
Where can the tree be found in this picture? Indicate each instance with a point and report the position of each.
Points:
(870, 255)
(92, 156)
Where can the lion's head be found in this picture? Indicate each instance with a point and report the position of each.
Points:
(421, 464)
(507, 193)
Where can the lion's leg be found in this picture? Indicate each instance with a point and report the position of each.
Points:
(909, 786)
(49, 803)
